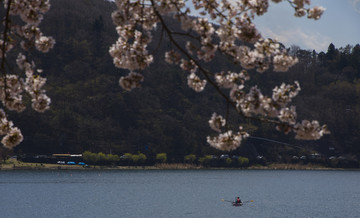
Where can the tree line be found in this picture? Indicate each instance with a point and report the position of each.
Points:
(224, 160)
(141, 159)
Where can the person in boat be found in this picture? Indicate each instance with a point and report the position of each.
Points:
(237, 200)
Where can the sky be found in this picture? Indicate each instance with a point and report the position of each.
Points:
(340, 25)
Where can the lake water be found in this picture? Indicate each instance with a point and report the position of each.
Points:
(179, 193)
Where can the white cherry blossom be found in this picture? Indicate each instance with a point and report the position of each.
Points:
(228, 141)
(196, 83)
(307, 130)
(131, 81)
(217, 122)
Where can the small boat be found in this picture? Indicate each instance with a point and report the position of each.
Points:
(237, 204)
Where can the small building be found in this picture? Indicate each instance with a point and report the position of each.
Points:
(67, 157)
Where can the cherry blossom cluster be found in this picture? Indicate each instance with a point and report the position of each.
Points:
(196, 83)
(229, 79)
(12, 134)
(31, 13)
(310, 130)
(133, 24)
(33, 85)
(228, 140)
(300, 10)
(131, 81)
(222, 27)
(254, 103)
(26, 35)
(217, 122)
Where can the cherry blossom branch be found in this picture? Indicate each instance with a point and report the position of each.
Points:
(12, 86)
(206, 73)
(235, 24)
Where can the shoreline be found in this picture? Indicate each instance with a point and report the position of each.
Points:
(52, 167)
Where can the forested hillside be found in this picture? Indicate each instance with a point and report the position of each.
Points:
(89, 110)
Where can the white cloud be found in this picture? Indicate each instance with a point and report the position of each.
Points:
(355, 4)
(304, 39)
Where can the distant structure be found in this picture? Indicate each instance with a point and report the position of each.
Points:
(54, 158)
